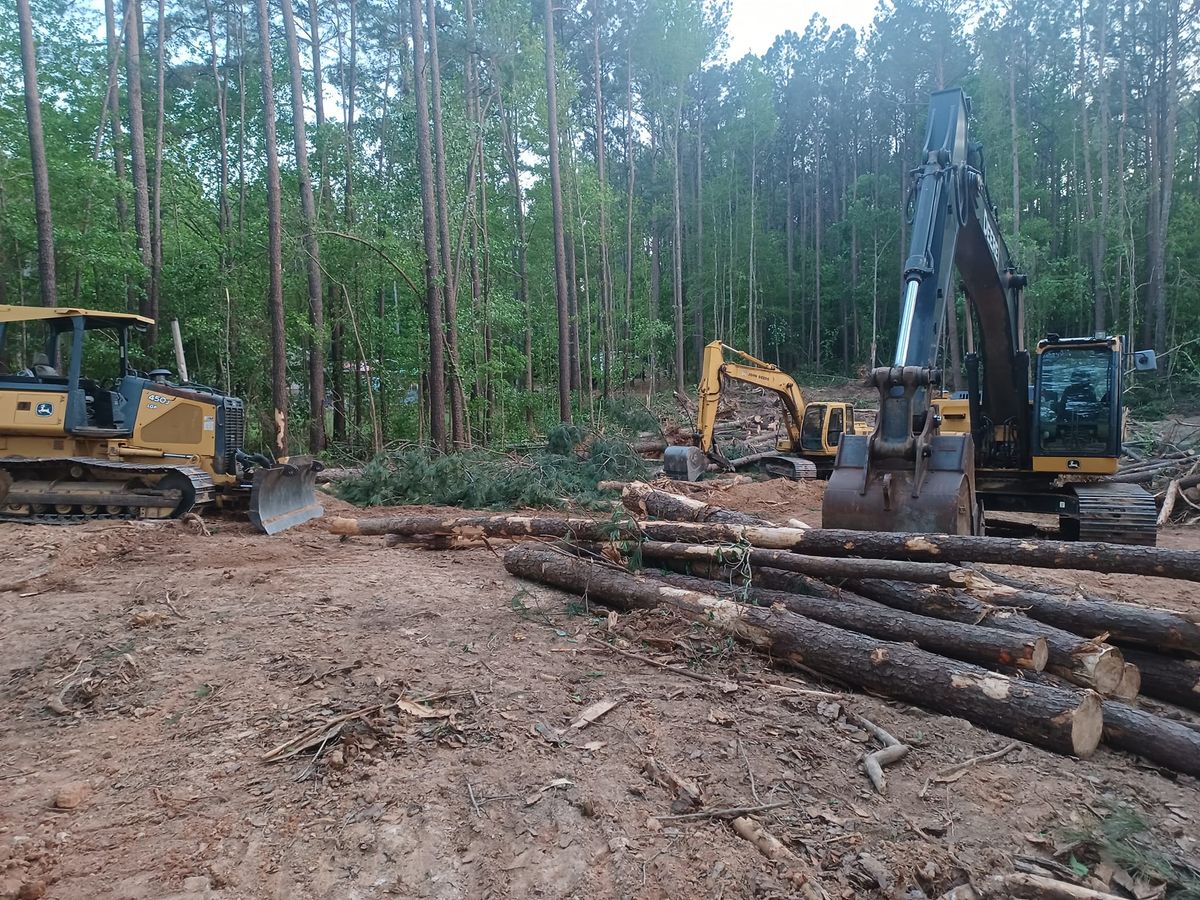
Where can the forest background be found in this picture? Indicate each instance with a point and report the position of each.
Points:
(362, 218)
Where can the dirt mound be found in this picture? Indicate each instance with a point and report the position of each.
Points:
(777, 499)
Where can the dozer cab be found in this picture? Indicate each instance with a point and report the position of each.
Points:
(806, 448)
(116, 443)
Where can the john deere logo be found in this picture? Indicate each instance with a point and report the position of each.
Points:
(1072, 464)
(44, 409)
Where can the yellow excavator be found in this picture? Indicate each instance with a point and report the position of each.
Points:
(128, 444)
(808, 445)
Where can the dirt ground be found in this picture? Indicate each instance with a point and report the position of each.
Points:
(146, 669)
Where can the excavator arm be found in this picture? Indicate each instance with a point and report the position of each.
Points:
(751, 371)
(907, 476)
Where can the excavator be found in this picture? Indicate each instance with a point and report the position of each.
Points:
(131, 445)
(937, 462)
(812, 431)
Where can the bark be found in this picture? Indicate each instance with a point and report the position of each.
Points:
(314, 32)
(458, 427)
(1087, 556)
(986, 647)
(1056, 719)
(350, 93)
(312, 249)
(1167, 678)
(47, 279)
(156, 252)
(556, 202)
(824, 567)
(677, 246)
(1081, 661)
(483, 525)
(642, 500)
(433, 300)
(1165, 742)
(1125, 623)
(606, 291)
(514, 177)
(137, 146)
(114, 107)
(279, 386)
(1015, 145)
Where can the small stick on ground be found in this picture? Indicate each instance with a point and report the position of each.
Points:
(474, 799)
(729, 812)
(687, 673)
(749, 771)
(891, 751)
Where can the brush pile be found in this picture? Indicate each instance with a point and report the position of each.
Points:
(1168, 466)
(918, 618)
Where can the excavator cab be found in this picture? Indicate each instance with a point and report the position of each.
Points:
(1077, 405)
(822, 428)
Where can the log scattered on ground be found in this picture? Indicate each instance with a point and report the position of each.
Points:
(642, 499)
(1090, 556)
(1168, 678)
(972, 643)
(1125, 623)
(1165, 742)
(1081, 661)
(1057, 719)
(825, 567)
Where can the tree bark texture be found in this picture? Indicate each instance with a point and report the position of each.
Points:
(312, 248)
(643, 500)
(137, 144)
(986, 647)
(556, 203)
(1168, 678)
(1056, 719)
(279, 386)
(47, 279)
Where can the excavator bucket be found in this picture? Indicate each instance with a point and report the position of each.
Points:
(861, 497)
(284, 495)
(684, 463)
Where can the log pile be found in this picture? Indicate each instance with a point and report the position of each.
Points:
(912, 617)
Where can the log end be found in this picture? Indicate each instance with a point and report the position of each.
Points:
(1130, 684)
(341, 525)
(1040, 655)
(1087, 724)
(1108, 670)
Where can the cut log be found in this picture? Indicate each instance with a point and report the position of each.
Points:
(988, 647)
(1125, 623)
(1162, 741)
(1130, 684)
(1059, 720)
(826, 567)
(641, 499)
(1081, 661)
(1022, 886)
(1090, 556)
(1168, 678)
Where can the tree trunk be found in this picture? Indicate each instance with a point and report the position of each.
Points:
(699, 339)
(523, 299)
(350, 92)
(606, 288)
(219, 85)
(986, 647)
(1168, 678)
(114, 107)
(642, 500)
(137, 148)
(458, 427)
(1015, 143)
(314, 31)
(1079, 660)
(312, 249)
(156, 252)
(279, 383)
(1056, 719)
(556, 201)
(433, 300)
(47, 280)
(677, 245)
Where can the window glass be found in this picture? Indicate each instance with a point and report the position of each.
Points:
(836, 426)
(810, 431)
(1074, 409)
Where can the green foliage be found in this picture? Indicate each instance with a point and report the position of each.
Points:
(478, 479)
(1122, 837)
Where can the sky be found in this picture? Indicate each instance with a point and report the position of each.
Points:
(754, 24)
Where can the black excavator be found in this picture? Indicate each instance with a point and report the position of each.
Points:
(1010, 443)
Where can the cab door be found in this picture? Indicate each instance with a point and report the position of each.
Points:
(835, 427)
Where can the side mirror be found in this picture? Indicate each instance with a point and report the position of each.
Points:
(1145, 361)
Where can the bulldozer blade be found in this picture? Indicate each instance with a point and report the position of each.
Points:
(883, 498)
(285, 495)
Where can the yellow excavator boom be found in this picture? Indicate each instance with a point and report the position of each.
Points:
(751, 371)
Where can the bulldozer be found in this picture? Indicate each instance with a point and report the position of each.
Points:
(117, 443)
(808, 445)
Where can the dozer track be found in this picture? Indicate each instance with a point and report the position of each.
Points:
(65, 490)
(1116, 513)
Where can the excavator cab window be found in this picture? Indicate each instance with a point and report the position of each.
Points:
(837, 426)
(812, 429)
(1078, 401)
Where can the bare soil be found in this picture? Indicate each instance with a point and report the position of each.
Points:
(146, 669)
